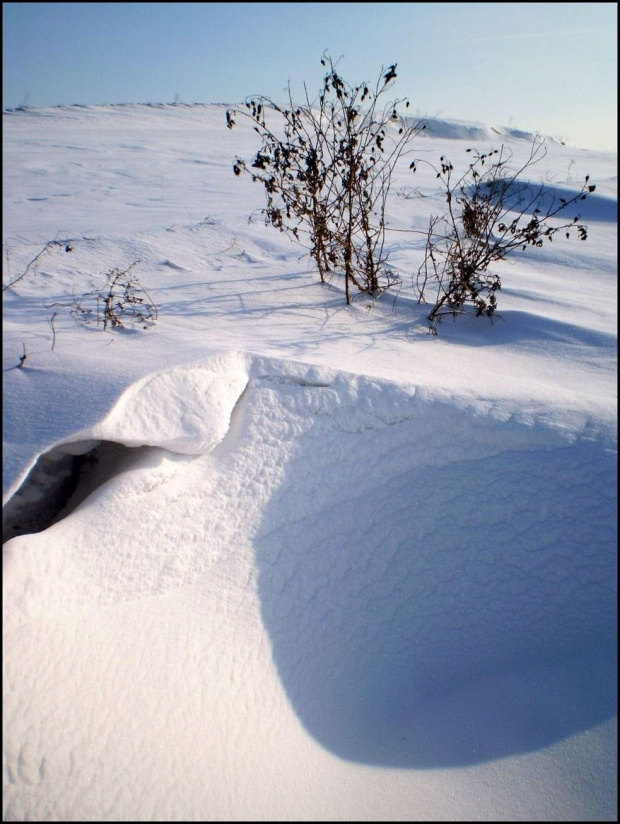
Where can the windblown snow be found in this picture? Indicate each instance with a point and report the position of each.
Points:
(279, 558)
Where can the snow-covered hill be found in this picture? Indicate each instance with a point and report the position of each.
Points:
(280, 558)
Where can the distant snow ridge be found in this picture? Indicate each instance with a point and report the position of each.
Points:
(436, 126)
(474, 131)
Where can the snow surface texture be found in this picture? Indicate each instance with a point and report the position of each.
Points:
(282, 559)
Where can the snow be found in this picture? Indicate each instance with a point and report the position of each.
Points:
(317, 563)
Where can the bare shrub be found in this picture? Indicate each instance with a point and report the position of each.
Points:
(121, 301)
(492, 212)
(326, 167)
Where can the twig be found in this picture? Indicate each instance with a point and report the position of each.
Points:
(44, 250)
(8, 262)
(23, 358)
(51, 323)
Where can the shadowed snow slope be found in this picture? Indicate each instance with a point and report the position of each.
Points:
(446, 595)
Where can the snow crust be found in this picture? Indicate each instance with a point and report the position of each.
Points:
(317, 565)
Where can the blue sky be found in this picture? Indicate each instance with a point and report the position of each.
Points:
(548, 67)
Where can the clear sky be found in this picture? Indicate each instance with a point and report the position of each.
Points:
(548, 67)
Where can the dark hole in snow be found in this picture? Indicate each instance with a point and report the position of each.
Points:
(60, 480)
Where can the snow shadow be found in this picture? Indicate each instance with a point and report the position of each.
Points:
(596, 207)
(447, 614)
(517, 326)
(60, 480)
(549, 196)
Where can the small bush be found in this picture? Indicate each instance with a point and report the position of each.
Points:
(492, 213)
(326, 167)
(121, 301)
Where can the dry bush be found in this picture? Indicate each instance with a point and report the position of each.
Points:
(121, 301)
(492, 212)
(326, 167)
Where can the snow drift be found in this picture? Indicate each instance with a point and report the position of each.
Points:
(451, 605)
(297, 560)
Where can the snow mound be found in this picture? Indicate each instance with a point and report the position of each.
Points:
(443, 597)
(471, 130)
(443, 541)
(184, 410)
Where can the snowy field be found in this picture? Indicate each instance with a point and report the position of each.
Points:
(280, 558)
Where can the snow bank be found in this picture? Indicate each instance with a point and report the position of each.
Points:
(443, 597)
(307, 562)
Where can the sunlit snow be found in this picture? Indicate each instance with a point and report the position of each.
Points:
(280, 558)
